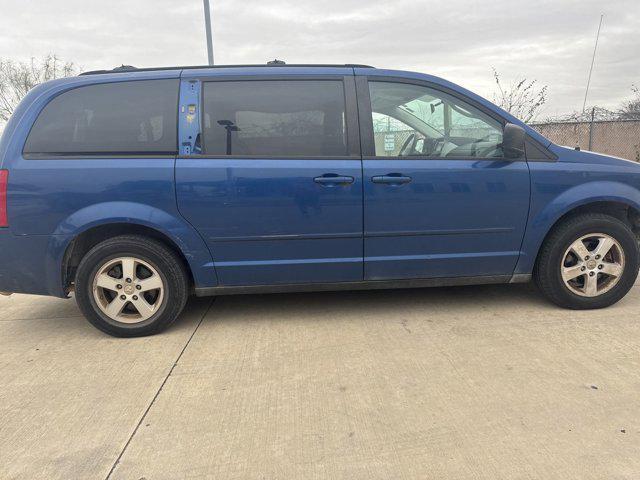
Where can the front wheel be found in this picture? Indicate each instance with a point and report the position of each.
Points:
(131, 286)
(589, 261)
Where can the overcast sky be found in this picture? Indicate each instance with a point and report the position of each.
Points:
(551, 41)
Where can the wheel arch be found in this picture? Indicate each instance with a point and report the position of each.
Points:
(89, 238)
(615, 198)
(82, 230)
(626, 212)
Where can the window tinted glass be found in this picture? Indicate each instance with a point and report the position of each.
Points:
(410, 120)
(126, 117)
(275, 118)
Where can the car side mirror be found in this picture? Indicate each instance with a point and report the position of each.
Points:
(513, 141)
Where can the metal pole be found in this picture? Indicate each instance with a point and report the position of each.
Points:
(207, 26)
(593, 115)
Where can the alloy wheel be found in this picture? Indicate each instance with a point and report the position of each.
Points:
(592, 265)
(128, 289)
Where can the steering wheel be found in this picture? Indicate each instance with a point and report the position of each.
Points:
(409, 142)
(484, 151)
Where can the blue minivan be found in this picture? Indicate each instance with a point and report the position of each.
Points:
(135, 188)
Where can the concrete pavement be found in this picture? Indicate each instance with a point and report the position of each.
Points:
(471, 382)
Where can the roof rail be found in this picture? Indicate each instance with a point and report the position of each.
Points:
(272, 63)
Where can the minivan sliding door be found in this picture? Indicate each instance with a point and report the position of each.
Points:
(275, 183)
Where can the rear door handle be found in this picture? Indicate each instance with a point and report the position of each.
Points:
(333, 179)
(391, 179)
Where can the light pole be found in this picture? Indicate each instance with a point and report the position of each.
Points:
(207, 26)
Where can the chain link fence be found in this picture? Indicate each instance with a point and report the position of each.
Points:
(391, 142)
(620, 138)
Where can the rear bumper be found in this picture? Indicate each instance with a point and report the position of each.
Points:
(31, 264)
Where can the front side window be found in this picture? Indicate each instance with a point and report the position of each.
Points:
(291, 118)
(412, 120)
(112, 118)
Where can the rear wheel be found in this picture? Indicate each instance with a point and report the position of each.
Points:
(131, 286)
(588, 261)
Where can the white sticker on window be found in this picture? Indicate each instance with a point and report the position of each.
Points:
(389, 142)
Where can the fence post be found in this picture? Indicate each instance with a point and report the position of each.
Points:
(593, 114)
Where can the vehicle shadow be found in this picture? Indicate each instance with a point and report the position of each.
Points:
(465, 300)
(455, 300)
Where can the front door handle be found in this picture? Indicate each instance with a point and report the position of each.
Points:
(333, 179)
(391, 179)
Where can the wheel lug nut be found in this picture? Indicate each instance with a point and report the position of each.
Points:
(135, 297)
(123, 297)
(587, 257)
(118, 286)
(597, 257)
(600, 267)
(128, 280)
(138, 287)
(591, 274)
(582, 269)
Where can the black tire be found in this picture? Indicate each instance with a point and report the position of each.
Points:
(550, 260)
(170, 268)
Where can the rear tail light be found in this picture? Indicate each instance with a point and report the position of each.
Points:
(4, 177)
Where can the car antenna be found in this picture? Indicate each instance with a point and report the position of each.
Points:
(593, 59)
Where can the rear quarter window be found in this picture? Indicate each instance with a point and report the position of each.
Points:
(137, 117)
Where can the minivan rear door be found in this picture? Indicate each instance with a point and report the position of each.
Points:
(270, 174)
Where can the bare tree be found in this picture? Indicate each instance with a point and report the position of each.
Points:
(17, 78)
(630, 109)
(589, 114)
(522, 98)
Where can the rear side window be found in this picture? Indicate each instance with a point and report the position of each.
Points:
(116, 118)
(291, 118)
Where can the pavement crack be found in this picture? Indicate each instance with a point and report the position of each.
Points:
(404, 325)
(153, 400)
